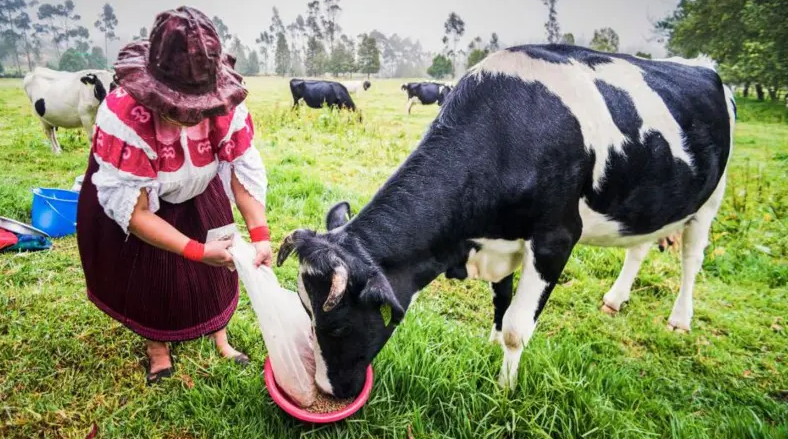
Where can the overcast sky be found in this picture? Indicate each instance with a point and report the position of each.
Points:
(516, 21)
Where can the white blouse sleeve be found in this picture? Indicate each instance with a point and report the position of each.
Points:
(250, 172)
(119, 191)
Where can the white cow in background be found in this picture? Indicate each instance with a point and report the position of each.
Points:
(354, 86)
(67, 99)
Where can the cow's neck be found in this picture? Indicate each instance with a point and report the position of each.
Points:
(415, 225)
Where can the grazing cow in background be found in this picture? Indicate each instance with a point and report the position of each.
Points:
(425, 93)
(539, 148)
(67, 99)
(354, 86)
(317, 93)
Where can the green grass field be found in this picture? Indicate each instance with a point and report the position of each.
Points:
(65, 366)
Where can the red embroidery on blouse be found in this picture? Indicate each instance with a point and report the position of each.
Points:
(204, 140)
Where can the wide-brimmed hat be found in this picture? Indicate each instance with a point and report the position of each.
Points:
(181, 71)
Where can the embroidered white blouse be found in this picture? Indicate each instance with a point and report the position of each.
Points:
(136, 149)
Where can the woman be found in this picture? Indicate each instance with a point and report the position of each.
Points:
(172, 147)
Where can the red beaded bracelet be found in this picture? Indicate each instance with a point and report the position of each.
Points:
(259, 234)
(194, 251)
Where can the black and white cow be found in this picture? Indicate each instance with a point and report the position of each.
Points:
(318, 93)
(540, 148)
(67, 99)
(425, 93)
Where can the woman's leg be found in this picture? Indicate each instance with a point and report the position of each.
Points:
(159, 355)
(227, 351)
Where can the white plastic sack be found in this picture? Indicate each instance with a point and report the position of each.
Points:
(285, 325)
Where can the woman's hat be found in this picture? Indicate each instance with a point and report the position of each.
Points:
(181, 72)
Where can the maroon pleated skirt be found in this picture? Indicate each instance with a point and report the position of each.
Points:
(157, 294)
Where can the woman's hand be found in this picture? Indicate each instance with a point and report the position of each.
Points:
(265, 255)
(216, 254)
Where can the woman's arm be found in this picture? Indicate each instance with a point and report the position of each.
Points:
(254, 215)
(153, 230)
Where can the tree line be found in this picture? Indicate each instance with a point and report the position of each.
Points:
(29, 29)
(748, 38)
(312, 44)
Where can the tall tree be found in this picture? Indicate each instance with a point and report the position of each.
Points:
(605, 40)
(454, 29)
(10, 12)
(315, 58)
(368, 55)
(30, 43)
(551, 26)
(106, 23)
(282, 60)
(266, 42)
(343, 56)
(331, 11)
(494, 45)
(62, 24)
(253, 64)
(222, 30)
(277, 25)
(313, 19)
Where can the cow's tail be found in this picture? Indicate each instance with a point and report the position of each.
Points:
(730, 103)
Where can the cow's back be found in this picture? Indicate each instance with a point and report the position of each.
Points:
(643, 144)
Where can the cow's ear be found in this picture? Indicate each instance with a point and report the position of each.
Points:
(88, 79)
(379, 294)
(338, 215)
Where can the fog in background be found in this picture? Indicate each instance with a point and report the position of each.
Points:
(515, 22)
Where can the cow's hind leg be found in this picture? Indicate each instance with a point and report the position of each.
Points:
(544, 260)
(411, 102)
(619, 292)
(694, 241)
(502, 297)
(49, 131)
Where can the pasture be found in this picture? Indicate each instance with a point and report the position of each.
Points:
(64, 365)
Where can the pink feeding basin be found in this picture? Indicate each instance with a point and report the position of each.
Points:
(282, 400)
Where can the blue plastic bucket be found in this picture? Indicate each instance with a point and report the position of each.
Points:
(55, 211)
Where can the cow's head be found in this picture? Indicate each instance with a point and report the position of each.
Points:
(404, 87)
(99, 92)
(114, 84)
(367, 85)
(443, 93)
(352, 306)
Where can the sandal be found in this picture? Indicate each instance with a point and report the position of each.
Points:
(241, 360)
(155, 378)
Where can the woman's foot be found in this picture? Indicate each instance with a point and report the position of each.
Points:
(159, 362)
(227, 351)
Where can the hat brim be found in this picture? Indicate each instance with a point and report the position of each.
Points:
(131, 70)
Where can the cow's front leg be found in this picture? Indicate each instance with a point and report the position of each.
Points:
(545, 258)
(502, 297)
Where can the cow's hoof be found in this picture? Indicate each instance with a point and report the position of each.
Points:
(507, 382)
(608, 310)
